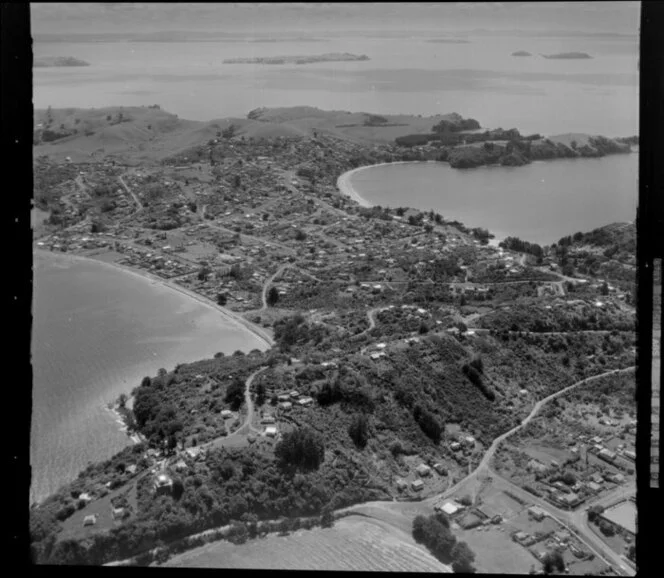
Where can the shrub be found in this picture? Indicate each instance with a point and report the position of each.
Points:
(359, 430)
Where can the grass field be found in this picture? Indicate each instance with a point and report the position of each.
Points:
(354, 543)
(496, 552)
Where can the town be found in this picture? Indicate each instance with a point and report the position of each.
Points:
(402, 343)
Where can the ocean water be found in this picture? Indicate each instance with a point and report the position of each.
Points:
(405, 75)
(96, 333)
(540, 202)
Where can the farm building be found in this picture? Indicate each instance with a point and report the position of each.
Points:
(271, 431)
(417, 485)
(90, 520)
(423, 470)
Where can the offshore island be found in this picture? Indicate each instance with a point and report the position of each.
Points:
(311, 59)
(423, 385)
(58, 61)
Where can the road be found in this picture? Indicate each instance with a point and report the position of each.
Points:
(130, 192)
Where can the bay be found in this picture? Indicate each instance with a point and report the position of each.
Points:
(540, 202)
(97, 331)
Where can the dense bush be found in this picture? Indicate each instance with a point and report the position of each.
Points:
(359, 430)
(428, 423)
(301, 448)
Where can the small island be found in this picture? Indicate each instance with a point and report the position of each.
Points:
(521, 53)
(329, 57)
(567, 56)
(53, 61)
(449, 41)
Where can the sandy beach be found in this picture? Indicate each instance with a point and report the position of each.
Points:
(231, 316)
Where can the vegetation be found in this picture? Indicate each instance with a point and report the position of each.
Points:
(434, 532)
(301, 448)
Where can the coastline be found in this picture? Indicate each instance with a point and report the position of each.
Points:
(231, 316)
(346, 189)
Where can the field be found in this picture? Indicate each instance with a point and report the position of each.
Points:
(496, 552)
(354, 543)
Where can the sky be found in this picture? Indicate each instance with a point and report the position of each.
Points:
(509, 17)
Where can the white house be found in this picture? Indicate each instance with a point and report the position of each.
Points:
(271, 431)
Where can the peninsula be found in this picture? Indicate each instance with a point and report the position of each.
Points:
(521, 53)
(55, 61)
(311, 59)
(422, 384)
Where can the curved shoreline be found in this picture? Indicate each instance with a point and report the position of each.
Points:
(346, 189)
(231, 316)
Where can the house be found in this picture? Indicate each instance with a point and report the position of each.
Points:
(616, 478)
(85, 497)
(455, 446)
(192, 452)
(607, 455)
(286, 405)
(417, 485)
(226, 413)
(294, 394)
(401, 485)
(597, 478)
(536, 513)
(520, 537)
(469, 440)
(450, 507)
(181, 466)
(571, 500)
(163, 484)
(117, 513)
(271, 431)
(536, 466)
(440, 468)
(131, 469)
(283, 397)
(630, 454)
(305, 401)
(423, 470)
(377, 355)
(90, 520)
(594, 487)
(268, 419)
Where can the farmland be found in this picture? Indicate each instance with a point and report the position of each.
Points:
(354, 543)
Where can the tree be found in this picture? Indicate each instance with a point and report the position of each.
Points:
(553, 561)
(260, 394)
(272, 297)
(122, 400)
(235, 394)
(222, 299)
(359, 430)
(327, 519)
(302, 448)
(463, 558)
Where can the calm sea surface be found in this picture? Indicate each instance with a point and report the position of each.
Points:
(96, 333)
(540, 202)
(405, 75)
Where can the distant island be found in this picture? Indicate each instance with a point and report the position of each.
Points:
(521, 53)
(449, 40)
(53, 61)
(567, 56)
(329, 57)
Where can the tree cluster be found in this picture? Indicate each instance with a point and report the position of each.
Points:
(302, 448)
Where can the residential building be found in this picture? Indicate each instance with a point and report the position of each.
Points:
(423, 470)
(90, 520)
(417, 485)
